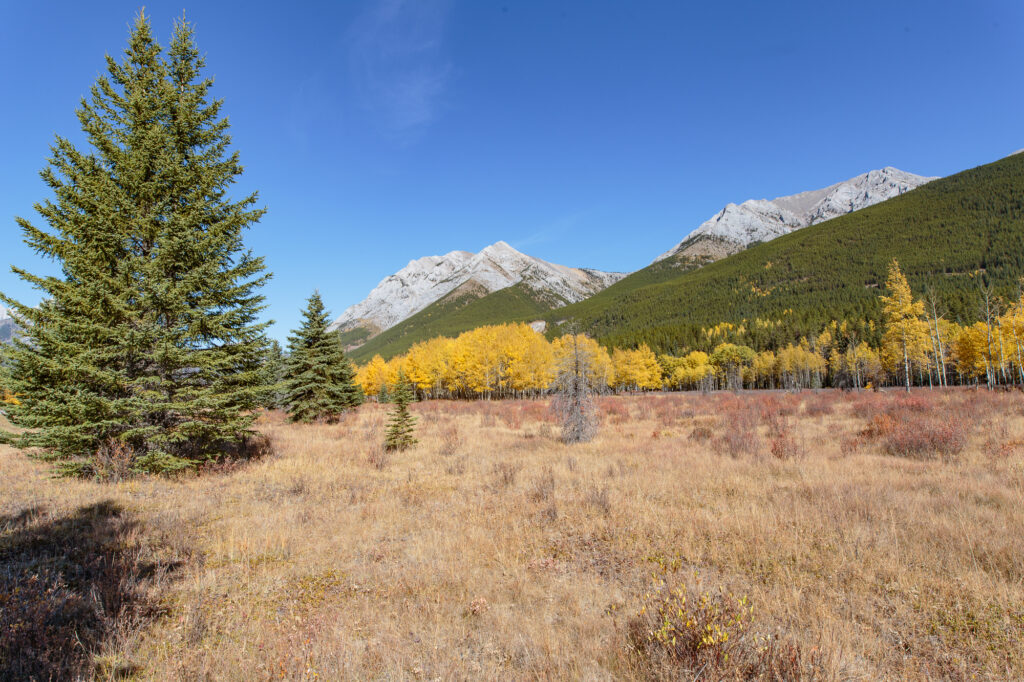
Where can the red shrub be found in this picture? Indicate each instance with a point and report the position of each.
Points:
(614, 410)
(926, 437)
(918, 428)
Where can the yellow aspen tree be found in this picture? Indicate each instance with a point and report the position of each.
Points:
(695, 371)
(1012, 322)
(905, 340)
(763, 369)
(532, 365)
(373, 376)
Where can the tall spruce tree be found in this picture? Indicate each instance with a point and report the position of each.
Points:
(148, 341)
(320, 380)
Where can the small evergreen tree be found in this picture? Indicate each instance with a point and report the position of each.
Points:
(320, 380)
(401, 424)
(148, 341)
(274, 375)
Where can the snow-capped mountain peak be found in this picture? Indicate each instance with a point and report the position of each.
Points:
(428, 279)
(736, 226)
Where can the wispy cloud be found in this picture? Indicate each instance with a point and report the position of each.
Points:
(399, 65)
(552, 231)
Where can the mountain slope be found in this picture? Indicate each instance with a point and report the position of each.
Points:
(759, 220)
(464, 276)
(454, 314)
(7, 325)
(949, 234)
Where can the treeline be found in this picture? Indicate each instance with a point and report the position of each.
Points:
(914, 345)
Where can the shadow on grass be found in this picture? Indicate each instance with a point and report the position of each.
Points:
(69, 585)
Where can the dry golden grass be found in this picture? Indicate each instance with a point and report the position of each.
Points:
(492, 551)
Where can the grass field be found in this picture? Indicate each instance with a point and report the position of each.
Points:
(775, 536)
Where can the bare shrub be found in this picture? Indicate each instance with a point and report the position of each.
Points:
(775, 421)
(787, 445)
(114, 461)
(451, 440)
(740, 435)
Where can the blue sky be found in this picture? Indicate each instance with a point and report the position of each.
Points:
(592, 133)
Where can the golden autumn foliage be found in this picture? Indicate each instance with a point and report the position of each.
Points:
(636, 369)
(514, 360)
(905, 343)
(505, 360)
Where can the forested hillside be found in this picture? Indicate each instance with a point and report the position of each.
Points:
(454, 314)
(951, 236)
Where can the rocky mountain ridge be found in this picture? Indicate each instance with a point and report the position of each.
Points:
(426, 280)
(757, 220)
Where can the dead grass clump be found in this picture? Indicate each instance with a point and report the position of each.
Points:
(377, 455)
(456, 466)
(702, 433)
(505, 474)
(598, 498)
(543, 487)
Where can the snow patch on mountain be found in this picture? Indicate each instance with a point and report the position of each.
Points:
(426, 280)
(739, 225)
(8, 328)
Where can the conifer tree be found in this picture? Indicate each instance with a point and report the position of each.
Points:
(401, 424)
(574, 397)
(148, 341)
(274, 374)
(320, 381)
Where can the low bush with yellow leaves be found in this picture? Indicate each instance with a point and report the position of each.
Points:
(684, 629)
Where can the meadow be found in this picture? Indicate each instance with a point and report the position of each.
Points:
(810, 535)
